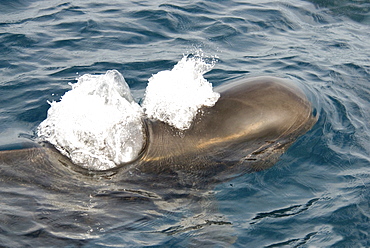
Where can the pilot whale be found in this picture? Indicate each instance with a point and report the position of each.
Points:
(165, 194)
(254, 121)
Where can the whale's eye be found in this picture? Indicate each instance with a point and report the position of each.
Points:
(314, 112)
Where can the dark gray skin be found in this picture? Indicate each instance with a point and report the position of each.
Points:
(251, 125)
(167, 190)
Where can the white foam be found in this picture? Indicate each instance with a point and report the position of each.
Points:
(97, 124)
(175, 96)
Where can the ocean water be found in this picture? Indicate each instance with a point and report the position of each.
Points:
(317, 195)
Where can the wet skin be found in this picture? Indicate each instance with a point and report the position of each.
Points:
(167, 191)
(251, 125)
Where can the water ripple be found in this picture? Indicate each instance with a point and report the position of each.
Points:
(316, 195)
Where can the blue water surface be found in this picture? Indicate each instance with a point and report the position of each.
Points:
(317, 195)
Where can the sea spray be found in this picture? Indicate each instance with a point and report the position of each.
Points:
(96, 124)
(175, 96)
(99, 126)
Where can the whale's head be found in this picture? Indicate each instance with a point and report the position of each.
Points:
(257, 119)
(251, 125)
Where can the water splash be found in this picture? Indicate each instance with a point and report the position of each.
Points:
(175, 96)
(99, 126)
(96, 124)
